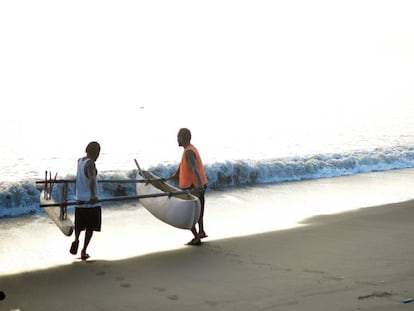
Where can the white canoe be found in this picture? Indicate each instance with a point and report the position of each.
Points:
(54, 212)
(181, 211)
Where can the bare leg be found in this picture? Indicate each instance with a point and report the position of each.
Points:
(88, 237)
(194, 231)
(201, 232)
(77, 234)
(75, 244)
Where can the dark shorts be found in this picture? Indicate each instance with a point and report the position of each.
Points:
(88, 218)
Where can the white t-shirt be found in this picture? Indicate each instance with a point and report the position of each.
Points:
(83, 192)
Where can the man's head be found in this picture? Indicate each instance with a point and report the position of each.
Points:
(184, 137)
(93, 150)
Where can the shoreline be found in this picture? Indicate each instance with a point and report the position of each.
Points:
(356, 260)
(129, 230)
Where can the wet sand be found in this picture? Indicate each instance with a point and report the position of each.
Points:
(358, 260)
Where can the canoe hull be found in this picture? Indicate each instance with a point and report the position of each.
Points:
(180, 211)
(54, 212)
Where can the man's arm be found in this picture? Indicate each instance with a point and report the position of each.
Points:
(191, 159)
(175, 176)
(90, 171)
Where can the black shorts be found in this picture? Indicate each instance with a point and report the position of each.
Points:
(88, 218)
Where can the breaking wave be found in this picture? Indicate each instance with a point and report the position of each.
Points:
(22, 198)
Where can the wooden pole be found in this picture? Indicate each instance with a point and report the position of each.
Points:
(113, 181)
(120, 198)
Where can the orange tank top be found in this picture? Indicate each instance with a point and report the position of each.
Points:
(187, 177)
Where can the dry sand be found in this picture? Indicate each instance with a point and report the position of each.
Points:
(359, 260)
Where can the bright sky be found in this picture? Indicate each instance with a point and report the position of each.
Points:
(113, 57)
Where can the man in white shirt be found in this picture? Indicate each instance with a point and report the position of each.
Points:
(88, 216)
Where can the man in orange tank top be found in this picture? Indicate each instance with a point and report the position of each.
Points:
(191, 175)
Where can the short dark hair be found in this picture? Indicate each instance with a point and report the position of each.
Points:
(93, 148)
(185, 133)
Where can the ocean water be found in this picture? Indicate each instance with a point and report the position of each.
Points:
(238, 157)
(272, 92)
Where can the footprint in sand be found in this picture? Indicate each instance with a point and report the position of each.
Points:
(173, 297)
(162, 289)
(313, 271)
(211, 303)
(123, 284)
(216, 249)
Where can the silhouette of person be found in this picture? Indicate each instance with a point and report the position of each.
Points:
(191, 175)
(88, 216)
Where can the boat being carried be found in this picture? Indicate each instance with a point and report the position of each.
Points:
(179, 210)
(176, 207)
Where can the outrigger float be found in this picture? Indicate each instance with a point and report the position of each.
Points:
(178, 208)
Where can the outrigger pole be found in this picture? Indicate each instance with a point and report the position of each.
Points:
(49, 183)
(120, 198)
(109, 181)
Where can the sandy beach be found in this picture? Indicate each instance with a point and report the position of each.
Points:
(358, 260)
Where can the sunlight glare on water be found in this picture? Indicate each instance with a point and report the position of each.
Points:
(251, 80)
